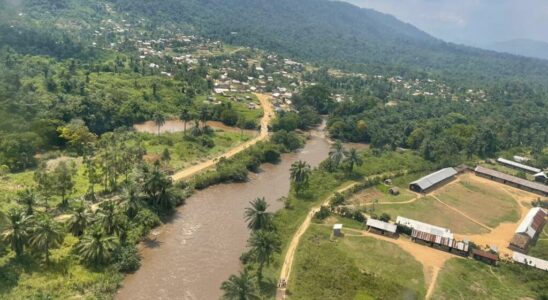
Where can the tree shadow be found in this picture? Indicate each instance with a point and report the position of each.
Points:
(268, 287)
(151, 243)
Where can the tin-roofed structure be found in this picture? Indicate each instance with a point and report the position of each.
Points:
(530, 261)
(382, 227)
(424, 227)
(514, 181)
(485, 256)
(433, 180)
(518, 166)
(529, 228)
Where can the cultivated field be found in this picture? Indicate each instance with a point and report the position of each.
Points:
(353, 267)
(486, 203)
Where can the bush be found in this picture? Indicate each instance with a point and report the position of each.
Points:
(127, 258)
(289, 140)
(358, 216)
(385, 217)
(323, 213)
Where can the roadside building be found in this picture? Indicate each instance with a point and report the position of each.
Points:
(485, 256)
(381, 227)
(530, 261)
(429, 182)
(424, 227)
(520, 183)
(529, 229)
(518, 166)
(337, 229)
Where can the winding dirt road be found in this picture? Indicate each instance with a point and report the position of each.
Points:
(263, 135)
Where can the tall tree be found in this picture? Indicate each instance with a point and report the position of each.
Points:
(353, 159)
(46, 234)
(263, 244)
(185, 116)
(240, 287)
(300, 174)
(257, 217)
(17, 231)
(159, 120)
(63, 180)
(96, 248)
(27, 198)
(132, 199)
(109, 218)
(336, 154)
(79, 220)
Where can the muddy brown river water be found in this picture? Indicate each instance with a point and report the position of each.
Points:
(196, 251)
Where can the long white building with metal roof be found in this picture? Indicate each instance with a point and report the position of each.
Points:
(430, 181)
(424, 227)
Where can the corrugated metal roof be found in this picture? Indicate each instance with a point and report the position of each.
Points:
(434, 178)
(424, 227)
(518, 165)
(382, 225)
(532, 222)
(485, 254)
(338, 226)
(516, 180)
(530, 261)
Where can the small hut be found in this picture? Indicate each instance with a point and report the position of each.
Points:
(394, 191)
(485, 256)
(337, 229)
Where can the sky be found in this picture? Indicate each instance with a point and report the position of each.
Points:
(473, 22)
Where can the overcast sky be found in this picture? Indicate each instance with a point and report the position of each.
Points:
(476, 22)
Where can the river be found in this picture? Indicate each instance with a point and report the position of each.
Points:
(200, 247)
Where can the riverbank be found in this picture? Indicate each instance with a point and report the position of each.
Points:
(194, 252)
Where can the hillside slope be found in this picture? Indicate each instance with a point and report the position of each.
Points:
(339, 34)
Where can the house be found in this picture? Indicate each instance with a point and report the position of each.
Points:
(424, 227)
(530, 261)
(520, 159)
(518, 166)
(529, 229)
(530, 186)
(485, 256)
(337, 229)
(381, 227)
(429, 182)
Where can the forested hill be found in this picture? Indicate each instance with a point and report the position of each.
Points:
(340, 35)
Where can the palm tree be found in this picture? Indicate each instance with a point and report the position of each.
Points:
(240, 287)
(155, 185)
(257, 217)
(109, 218)
(79, 220)
(96, 248)
(300, 173)
(16, 232)
(336, 153)
(185, 116)
(132, 200)
(27, 198)
(204, 115)
(353, 159)
(159, 120)
(263, 245)
(46, 235)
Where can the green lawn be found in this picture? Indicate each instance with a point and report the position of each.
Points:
(430, 211)
(470, 279)
(485, 203)
(353, 268)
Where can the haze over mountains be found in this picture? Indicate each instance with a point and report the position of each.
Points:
(523, 47)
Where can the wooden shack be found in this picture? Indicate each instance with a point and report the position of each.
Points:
(485, 256)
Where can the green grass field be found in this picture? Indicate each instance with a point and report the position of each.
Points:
(353, 268)
(430, 211)
(486, 203)
(470, 279)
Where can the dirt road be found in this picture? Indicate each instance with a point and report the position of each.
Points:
(292, 248)
(263, 135)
